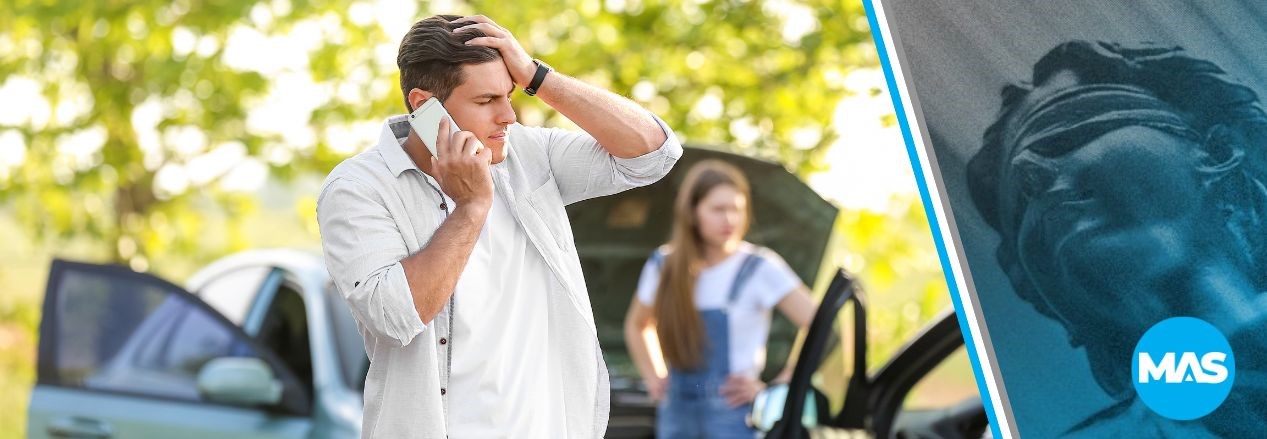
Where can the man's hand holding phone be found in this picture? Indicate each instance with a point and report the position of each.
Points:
(462, 167)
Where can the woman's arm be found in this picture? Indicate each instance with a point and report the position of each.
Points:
(644, 349)
(798, 307)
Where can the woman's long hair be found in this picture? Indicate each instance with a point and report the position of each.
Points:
(677, 321)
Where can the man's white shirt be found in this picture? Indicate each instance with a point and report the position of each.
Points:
(377, 208)
(502, 380)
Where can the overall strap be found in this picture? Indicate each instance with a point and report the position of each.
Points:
(657, 259)
(746, 269)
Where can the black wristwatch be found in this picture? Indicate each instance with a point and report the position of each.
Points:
(538, 78)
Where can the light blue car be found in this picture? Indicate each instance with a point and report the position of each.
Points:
(264, 348)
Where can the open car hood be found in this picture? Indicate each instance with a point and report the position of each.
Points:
(615, 234)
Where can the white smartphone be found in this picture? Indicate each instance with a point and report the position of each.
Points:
(426, 122)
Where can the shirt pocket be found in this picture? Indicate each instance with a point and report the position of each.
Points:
(547, 203)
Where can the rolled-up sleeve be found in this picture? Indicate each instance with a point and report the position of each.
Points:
(583, 169)
(363, 250)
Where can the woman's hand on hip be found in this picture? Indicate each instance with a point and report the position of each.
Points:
(656, 387)
(741, 389)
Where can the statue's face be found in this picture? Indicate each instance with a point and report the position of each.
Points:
(1109, 217)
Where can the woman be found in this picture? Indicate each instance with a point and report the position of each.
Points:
(707, 296)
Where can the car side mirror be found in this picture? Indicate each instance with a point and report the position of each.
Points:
(239, 381)
(767, 408)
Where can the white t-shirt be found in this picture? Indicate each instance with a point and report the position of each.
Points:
(749, 315)
(502, 384)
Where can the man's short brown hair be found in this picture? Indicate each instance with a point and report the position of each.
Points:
(431, 56)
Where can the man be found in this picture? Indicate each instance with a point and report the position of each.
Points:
(1126, 184)
(460, 269)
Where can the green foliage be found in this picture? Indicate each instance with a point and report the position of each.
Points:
(140, 91)
(96, 63)
(892, 253)
(676, 57)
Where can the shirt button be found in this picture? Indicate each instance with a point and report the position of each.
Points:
(444, 341)
(442, 391)
(444, 206)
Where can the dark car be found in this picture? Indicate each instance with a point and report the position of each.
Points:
(875, 401)
(615, 235)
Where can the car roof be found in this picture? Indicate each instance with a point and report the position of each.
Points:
(308, 268)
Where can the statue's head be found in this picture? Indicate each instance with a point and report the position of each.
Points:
(1112, 169)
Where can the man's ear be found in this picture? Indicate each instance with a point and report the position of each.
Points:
(1222, 152)
(416, 97)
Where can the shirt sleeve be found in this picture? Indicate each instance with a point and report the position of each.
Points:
(583, 169)
(774, 279)
(363, 249)
(648, 282)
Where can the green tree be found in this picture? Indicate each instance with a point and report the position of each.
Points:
(147, 101)
(92, 155)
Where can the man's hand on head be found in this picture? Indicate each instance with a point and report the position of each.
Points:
(517, 60)
(620, 126)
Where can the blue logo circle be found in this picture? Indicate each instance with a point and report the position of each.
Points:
(1183, 368)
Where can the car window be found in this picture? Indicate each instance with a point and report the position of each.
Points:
(832, 376)
(950, 383)
(232, 293)
(944, 401)
(95, 318)
(122, 334)
(171, 352)
(285, 332)
(353, 363)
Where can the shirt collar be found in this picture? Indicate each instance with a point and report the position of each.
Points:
(395, 131)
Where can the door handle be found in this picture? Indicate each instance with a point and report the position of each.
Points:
(79, 427)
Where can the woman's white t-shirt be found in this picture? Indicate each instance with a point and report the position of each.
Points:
(749, 314)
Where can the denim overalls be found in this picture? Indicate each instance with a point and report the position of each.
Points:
(693, 406)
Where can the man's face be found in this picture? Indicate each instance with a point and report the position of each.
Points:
(481, 104)
(1113, 215)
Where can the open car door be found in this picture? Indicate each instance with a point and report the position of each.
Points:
(126, 354)
(874, 403)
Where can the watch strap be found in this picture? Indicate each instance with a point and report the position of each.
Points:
(538, 78)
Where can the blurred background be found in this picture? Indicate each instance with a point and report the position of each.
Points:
(162, 135)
